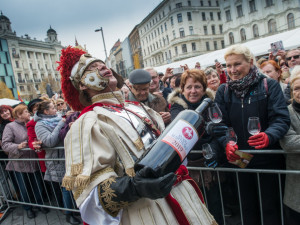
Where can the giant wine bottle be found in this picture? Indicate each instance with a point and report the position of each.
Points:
(175, 143)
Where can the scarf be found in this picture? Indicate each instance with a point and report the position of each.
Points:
(193, 106)
(50, 120)
(240, 87)
(296, 106)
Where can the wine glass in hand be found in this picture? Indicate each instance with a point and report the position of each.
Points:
(231, 137)
(253, 125)
(207, 151)
(215, 113)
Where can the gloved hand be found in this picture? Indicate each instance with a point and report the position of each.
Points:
(152, 188)
(230, 152)
(216, 129)
(259, 141)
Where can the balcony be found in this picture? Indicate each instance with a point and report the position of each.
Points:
(21, 81)
(37, 80)
(29, 81)
(16, 56)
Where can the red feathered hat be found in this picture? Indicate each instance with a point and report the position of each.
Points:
(69, 57)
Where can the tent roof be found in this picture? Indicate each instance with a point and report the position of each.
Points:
(258, 47)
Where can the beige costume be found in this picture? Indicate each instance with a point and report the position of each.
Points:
(100, 146)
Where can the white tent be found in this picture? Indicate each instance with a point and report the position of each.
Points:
(290, 39)
(7, 101)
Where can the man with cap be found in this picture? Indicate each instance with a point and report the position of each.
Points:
(102, 146)
(140, 82)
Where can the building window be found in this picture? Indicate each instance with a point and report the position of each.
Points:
(269, 3)
(28, 55)
(193, 46)
(217, 3)
(191, 30)
(176, 51)
(22, 88)
(155, 33)
(207, 46)
(219, 15)
(19, 76)
(209, 3)
(291, 21)
(189, 16)
(228, 15)
(28, 88)
(179, 5)
(213, 29)
(184, 49)
(174, 34)
(255, 31)
(221, 29)
(172, 22)
(211, 14)
(272, 26)
(30, 64)
(223, 44)
(243, 34)
(215, 45)
(252, 6)
(17, 64)
(231, 38)
(239, 10)
(201, 3)
(170, 55)
(181, 32)
(203, 16)
(158, 31)
(189, 3)
(163, 13)
(205, 29)
(179, 17)
(162, 28)
(166, 28)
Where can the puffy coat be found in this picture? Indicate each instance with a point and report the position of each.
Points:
(265, 101)
(55, 170)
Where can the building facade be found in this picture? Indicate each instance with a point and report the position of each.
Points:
(246, 20)
(126, 54)
(177, 29)
(33, 61)
(136, 49)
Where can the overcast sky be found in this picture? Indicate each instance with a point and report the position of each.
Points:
(78, 18)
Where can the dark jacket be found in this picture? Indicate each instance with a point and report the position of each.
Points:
(267, 104)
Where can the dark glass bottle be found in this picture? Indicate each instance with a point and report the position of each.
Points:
(174, 144)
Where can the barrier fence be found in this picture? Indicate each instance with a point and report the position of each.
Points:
(31, 190)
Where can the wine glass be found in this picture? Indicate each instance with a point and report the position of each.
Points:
(253, 125)
(215, 113)
(231, 137)
(207, 151)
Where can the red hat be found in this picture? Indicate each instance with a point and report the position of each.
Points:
(69, 57)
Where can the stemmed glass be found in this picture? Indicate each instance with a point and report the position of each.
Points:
(231, 137)
(253, 125)
(207, 151)
(215, 113)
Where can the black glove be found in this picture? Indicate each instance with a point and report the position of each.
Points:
(216, 129)
(116, 194)
(212, 162)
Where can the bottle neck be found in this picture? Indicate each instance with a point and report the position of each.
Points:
(203, 106)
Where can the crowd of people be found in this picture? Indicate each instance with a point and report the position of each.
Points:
(106, 124)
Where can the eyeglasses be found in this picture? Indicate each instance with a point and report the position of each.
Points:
(294, 56)
(59, 104)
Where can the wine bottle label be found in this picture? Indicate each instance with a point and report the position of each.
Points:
(182, 137)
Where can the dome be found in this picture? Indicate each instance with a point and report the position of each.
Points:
(51, 31)
(2, 17)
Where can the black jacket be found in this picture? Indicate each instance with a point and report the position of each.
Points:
(264, 101)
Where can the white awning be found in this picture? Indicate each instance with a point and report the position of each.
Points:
(290, 39)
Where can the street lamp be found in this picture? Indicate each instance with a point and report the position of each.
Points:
(101, 29)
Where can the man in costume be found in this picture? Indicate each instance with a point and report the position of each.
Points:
(103, 145)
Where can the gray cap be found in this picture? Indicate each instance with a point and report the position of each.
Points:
(139, 76)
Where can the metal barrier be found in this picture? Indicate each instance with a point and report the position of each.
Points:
(10, 195)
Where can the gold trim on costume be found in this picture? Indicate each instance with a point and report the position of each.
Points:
(139, 144)
(108, 95)
(93, 177)
(105, 198)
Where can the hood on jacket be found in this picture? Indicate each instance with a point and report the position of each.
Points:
(174, 97)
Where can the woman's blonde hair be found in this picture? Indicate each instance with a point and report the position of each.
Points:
(294, 76)
(19, 109)
(239, 49)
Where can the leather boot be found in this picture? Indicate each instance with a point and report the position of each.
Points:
(72, 220)
(30, 214)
